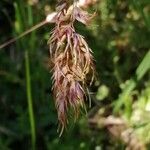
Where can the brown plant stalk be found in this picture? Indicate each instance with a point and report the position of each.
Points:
(72, 61)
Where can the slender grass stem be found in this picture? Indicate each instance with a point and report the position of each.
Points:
(23, 34)
(29, 99)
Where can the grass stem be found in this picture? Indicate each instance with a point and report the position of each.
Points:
(29, 99)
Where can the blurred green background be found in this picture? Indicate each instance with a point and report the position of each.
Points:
(119, 117)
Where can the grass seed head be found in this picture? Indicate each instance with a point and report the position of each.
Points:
(72, 62)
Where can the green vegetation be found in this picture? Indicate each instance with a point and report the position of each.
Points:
(119, 36)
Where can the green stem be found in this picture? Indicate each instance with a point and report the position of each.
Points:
(116, 70)
(30, 102)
